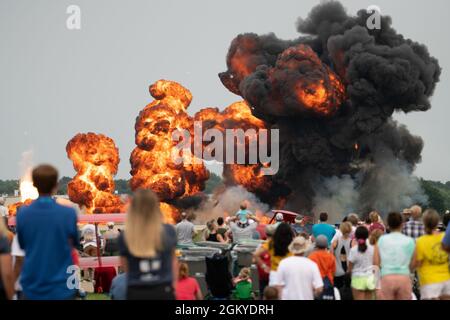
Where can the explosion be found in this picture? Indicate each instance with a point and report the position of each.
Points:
(332, 93)
(28, 193)
(95, 158)
(152, 165)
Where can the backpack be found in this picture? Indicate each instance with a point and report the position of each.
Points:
(328, 290)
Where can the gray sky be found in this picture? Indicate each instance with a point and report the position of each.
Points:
(55, 82)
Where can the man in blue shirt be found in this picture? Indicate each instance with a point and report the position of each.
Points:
(446, 240)
(47, 232)
(323, 228)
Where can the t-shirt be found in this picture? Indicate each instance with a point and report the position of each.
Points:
(151, 271)
(242, 215)
(186, 289)
(47, 232)
(362, 261)
(4, 249)
(184, 230)
(326, 263)
(240, 234)
(396, 251)
(434, 267)
(299, 276)
(375, 226)
(274, 260)
(324, 229)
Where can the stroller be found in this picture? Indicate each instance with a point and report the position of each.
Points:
(218, 277)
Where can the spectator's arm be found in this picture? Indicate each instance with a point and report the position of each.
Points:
(349, 267)
(198, 294)
(124, 263)
(376, 256)
(415, 262)
(318, 291)
(7, 275)
(174, 270)
(257, 255)
(220, 238)
(18, 263)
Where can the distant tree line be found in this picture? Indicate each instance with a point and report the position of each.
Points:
(438, 193)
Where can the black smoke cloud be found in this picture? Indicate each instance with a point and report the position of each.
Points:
(381, 71)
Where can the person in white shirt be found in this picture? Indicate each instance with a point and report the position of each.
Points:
(3, 210)
(298, 278)
(18, 255)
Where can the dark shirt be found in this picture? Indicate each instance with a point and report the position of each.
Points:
(151, 271)
(212, 237)
(47, 232)
(5, 248)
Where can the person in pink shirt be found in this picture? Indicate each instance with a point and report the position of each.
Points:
(187, 287)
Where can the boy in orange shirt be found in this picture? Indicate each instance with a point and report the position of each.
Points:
(327, 266)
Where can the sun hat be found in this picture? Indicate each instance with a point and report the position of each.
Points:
(279, 217)
(298, 246)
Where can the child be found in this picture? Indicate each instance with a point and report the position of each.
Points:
(243, 285)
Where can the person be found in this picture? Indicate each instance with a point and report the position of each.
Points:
(89, 241)
(3, 211)
(406, 214)
(374, 236)
(278, 218)
(243, 213)
(270, 293)
(327, 266)
(360, 261)
(47, 232)
(298, 277)
(323, 228)
(243, 285)
(414, 227)
(187, 287)
(118, 290)
(278, 248)
(242, 231)
(222, 228)
(18, 256)
(394, 255)
(185, 230)
(110, 234)
(375, 222)
(432, 261)
(301, 225)
(263, 259)
(6, 271)
(147, 250)
(341, 249)
(211, 232)
(446, 240)
(354, 220)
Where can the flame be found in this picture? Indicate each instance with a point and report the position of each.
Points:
(322, 94)
(170, 213)
(238, 115)
(95, 158)
(152, 166)
(28, 193)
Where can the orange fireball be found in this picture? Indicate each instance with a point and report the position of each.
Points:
(152, 164)
(95, 158)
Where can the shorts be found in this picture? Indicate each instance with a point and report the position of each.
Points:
(363, 283)
(435, 290)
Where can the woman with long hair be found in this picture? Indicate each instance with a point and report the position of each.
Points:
(432, 260)
(340, 247)
(147, 249)
(212, 233)
(278, 249)
(187, 287)
(360, 263)
(6, 270)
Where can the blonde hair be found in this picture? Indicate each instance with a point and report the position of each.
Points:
(374, 217)
(143, 225)
(244, 273)
(183, 271)
(374, 236)
(345, 228)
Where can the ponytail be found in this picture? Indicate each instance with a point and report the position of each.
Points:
(361, 235)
